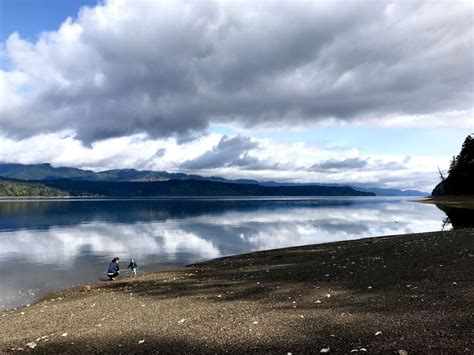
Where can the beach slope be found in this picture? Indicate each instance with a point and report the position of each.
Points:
(383, 295)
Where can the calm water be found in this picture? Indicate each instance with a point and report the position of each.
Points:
(49, 245)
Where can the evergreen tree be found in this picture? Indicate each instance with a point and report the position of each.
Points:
(460, 180)
(453, 164)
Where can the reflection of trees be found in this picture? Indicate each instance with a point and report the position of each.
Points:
(10, 208)
(445, 223)
(457, 217)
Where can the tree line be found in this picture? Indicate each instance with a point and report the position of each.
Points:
(460, 178)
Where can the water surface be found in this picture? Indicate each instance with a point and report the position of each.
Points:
(49, 245)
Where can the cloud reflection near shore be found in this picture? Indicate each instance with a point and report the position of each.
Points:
(210, 236)
(62, 255)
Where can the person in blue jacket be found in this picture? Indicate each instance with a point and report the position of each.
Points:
(113, 271)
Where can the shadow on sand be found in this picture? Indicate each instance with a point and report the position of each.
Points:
(401, 285)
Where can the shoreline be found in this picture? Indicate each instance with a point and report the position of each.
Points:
(415, 289)
(125, 274)
(236, 197)
(462, 201)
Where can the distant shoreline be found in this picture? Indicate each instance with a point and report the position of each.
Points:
(465, 201)
(410, 292)
(146, 198)
(237, 197)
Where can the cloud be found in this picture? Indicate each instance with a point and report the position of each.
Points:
(170, 69)
(232, 157)
(337, 165)
(229, 152)
(393, 165)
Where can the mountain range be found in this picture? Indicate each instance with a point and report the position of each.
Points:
(74, 178)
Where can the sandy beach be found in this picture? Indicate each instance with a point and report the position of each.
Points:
(380, 295)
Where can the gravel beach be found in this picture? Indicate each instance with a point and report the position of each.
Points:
(387, 295)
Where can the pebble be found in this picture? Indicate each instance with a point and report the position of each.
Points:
(141, 341)
(31, 345)
(64, 335)
(181, 321)
(325, 350)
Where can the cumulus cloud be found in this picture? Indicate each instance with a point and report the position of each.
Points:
(233, 157)
(337, 165)
(229, 152)
(172, 68)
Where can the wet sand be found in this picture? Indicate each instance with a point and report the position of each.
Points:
(383, 295)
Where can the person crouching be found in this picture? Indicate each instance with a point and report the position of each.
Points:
(113, 271)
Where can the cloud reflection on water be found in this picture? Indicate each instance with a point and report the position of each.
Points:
(210, 236)
(63, 254)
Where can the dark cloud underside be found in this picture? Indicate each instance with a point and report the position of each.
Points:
(171, 69)
(229, 152)
(340, 165)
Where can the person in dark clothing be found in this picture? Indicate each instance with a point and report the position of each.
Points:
(133, 267)
(113, 271)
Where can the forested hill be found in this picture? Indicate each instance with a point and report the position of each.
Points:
(43, 172)
(12, 188)
(460, 179)
(192, 188)
(46, 171)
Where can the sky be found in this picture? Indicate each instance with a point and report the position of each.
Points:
(372, 92)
